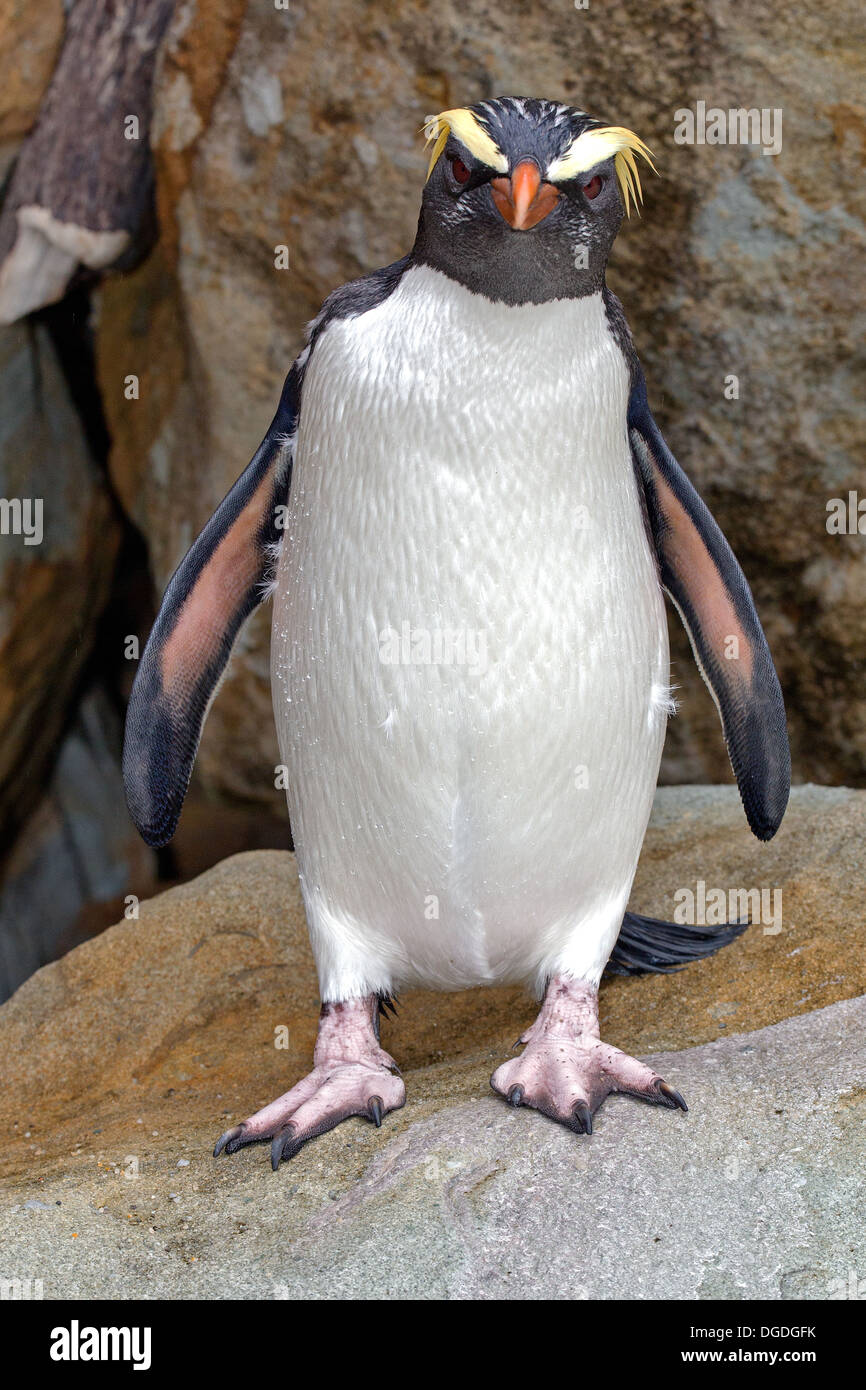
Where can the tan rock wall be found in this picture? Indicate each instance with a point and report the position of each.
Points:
(30, 38)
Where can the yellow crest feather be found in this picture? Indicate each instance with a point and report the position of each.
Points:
(465, 126)
(593, 146)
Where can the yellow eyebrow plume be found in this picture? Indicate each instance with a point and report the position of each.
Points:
(465, 126)
(593, 146)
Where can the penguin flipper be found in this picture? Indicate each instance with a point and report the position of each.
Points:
(222, 578)
(703, 579)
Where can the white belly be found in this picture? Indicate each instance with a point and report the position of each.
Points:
(470, 661)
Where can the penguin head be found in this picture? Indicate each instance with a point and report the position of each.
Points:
(524, 198)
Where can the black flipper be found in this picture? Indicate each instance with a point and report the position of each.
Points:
(700, 573)
(217, 585)
(646, 945)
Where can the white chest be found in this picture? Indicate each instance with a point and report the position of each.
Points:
(467, 460)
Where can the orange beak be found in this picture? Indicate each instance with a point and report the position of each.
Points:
(524, 200)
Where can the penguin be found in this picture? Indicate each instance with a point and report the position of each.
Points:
(468, 519)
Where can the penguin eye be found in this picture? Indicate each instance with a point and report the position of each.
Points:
(459, 170)
(593, 188)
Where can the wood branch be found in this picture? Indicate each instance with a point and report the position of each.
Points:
(83, 178)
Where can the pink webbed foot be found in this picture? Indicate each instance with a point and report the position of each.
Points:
(567, 1071)
(352, 1075)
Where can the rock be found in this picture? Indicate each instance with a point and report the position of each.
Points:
(52, 591)
(77, 857)
(124, 1060)
(30, 38)
(753, 1195)
(742, 264)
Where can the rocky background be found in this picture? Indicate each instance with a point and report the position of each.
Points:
(298, 126)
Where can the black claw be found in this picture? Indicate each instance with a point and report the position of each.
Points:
(515, 1096)
(583, 1117)
(673, 1096)
(284, 1145)
(225, 1140)
(374, 1110)
(277, 1149)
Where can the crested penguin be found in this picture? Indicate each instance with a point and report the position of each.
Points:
(468, 519)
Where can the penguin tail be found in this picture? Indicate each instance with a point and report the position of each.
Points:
(646, 945)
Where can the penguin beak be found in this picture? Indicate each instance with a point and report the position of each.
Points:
(524, 200)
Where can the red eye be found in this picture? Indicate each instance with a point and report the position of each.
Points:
(459, 170)
(593, 188)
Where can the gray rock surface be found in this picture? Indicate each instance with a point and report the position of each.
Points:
(123, 1061)
(756, 1193)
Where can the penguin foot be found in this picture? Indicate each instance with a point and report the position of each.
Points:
(567, 1071)
(352, 1075)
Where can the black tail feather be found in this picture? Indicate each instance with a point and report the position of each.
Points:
(646, 945)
